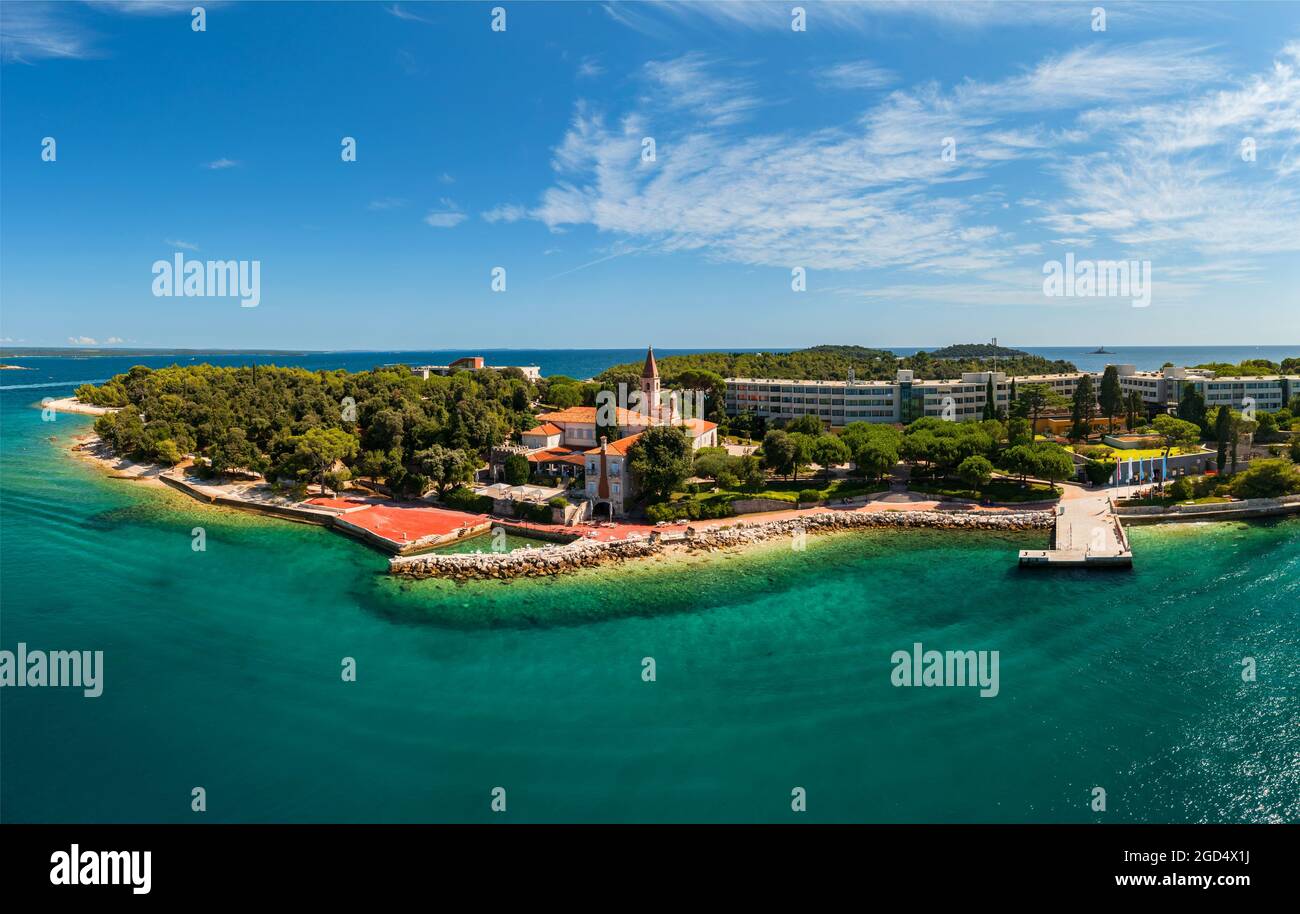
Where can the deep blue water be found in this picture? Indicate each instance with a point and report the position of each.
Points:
(57, 372)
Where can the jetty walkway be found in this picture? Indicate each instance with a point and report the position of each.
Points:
(1088, 534)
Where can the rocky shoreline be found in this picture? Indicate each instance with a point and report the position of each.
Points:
(553, 560)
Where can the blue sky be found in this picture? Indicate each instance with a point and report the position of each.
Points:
(774, 149)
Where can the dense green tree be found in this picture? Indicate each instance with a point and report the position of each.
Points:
(562, 396)
(803, 451)
(975, 471)
(1191, 407)
(1267, 479)
(517, 469)
(1222, 434)
(1037, 399)
(779, 452)
(1175, 432)
(661, 459)
(829, 451)
(1019, 431)
(446, 467)
(1134, 407)
(1111, 396)
(834, 362)
(805, 425)
(1083, 404)
(316, 451)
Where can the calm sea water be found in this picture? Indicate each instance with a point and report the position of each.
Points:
(222, 670)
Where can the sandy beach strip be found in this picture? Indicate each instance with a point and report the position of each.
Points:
(73, 405)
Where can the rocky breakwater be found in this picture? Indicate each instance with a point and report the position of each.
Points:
(830, 522)
(522, 563)
(587, 554)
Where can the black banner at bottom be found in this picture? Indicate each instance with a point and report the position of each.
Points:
(341, 861)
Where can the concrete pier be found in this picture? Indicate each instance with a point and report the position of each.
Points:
(1088, 535)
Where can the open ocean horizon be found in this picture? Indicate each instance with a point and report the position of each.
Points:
(50, 370)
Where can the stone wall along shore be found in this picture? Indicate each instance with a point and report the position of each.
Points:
(552, 560)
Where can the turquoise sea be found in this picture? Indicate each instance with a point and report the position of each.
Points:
(222, 670)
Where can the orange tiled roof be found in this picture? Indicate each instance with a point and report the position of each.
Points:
(586, 415)
(556, 455)
(619, 447)
(546, 429)
(699, 426)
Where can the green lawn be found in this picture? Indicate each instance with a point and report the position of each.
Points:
(998, 490)
(1123, 454)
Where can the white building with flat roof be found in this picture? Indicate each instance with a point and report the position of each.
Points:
(904, 399)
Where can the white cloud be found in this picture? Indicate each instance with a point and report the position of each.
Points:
(590, 68)
(113, 340)
(386, 203)
(36, 31)
(1171, 177)
(509, 212)
(449, 216)
(181, 244)
(857, 74)
(81, 340)
(407, 15)
(872, 193)
(664, 19)
(688, 82)
(219, 164)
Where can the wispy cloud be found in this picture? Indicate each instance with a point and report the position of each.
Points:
(181, 244)
(663, 18)
(397, 10)
(874, 193)
(147, 7)
(857, 74)
(449, 216)
(509, 212)
(82, 340)
(220, 164)
(590, 68)
(386, 203)
(691, 82)
(39, 31)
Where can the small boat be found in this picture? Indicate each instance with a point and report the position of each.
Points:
(1101, 351)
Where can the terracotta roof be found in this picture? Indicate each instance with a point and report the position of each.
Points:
(699, 427)
(556, 455)
(586, 415)
(651, 370)
(618, 447)
(546, 429)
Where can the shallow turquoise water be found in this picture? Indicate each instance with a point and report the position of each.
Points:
(222, 670)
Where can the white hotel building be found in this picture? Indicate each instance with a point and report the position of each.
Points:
(839, 403)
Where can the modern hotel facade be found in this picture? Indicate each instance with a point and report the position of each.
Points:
(904, 399)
